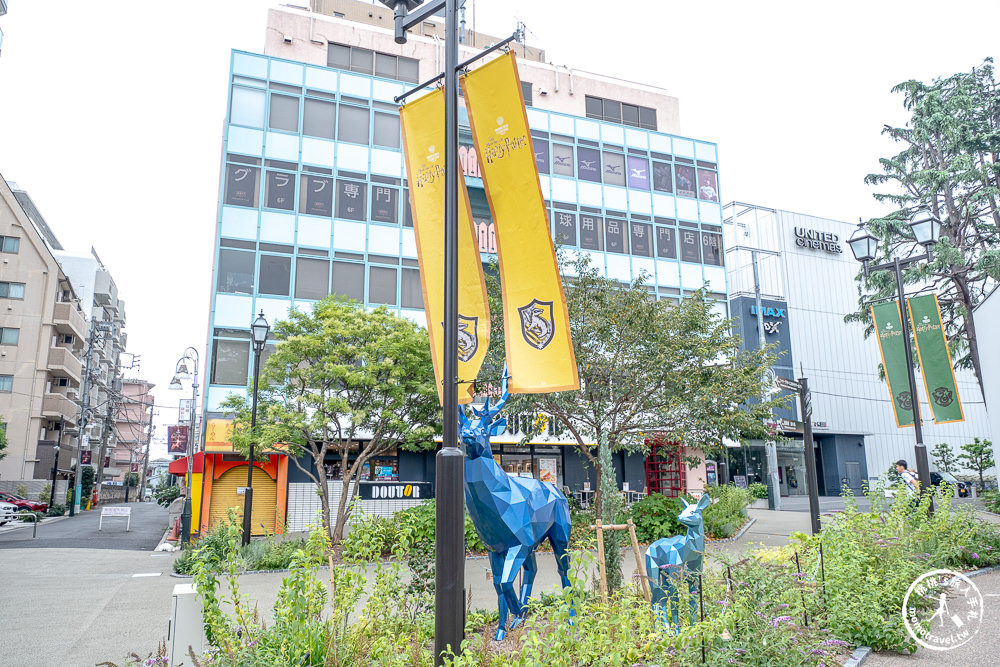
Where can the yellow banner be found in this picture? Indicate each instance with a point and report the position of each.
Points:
(422, 123)
(536, 323)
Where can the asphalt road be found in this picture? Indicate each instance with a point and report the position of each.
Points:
(149, 520)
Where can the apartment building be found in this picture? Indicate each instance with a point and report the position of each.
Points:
(133, 430)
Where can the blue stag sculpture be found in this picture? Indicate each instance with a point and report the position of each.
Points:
(679, 553)
(512, 515)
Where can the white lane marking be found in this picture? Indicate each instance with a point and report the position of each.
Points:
(147, 574)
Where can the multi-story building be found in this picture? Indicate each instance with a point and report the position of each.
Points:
(42, 333)
(806, 274)
(314, 196)
(133, 430)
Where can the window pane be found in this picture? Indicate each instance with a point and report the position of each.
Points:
(385, 65)
(595, 107)
(338, 56)
(591, 232)
(353, 124)
(17, 290)
(280, 191)
(662, 179)
(638, 173)
(247, 107)
(235, 272)
(613, 111)
(712, 248)
(541, 154)
(685, 180)
(312, 278)
(385, 204)
(348, 280)
(317, 196)
(526, 92)
(351, 200)
(640, 239)
(9, 336)
(562, 160)
(11, 243)
(690, 246)
(630, 115)
(386, 130)
(411, 294)
(647, 118)
(407, 70)
(275, 275)
(588, 164)
(666, 245)
(407, 211)
(230, 362)
(708, 185)
(320, 119)
(565, 228)
(284, 113)
(382, 285)
(361, 60)
(6, 382)
(241, 185)
(615, 234)
(614, 168)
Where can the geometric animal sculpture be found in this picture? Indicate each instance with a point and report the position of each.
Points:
(512, 515)
(671, 559)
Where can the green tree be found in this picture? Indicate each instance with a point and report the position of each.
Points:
(346, 381)
(978, 456)
(645, 367)
(945, 457)
(3, 438)
(948, 164)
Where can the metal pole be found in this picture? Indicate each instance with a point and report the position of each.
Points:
(920, 450)
(186, 516)
(773, 485)
(55, 462)
(145, 457)
(810, 454)
(449, 603)
(248, 498)
(82, 438)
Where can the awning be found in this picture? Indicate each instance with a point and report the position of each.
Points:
(179, 466)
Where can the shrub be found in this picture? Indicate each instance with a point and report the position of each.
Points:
(56, 510)
(991, 501)
(728, 512)
(21, 490)
(23, 515)
(167, 494)
(46, 493)
(758, 491)
(655, 516)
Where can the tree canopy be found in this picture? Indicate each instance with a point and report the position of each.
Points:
(948, 164)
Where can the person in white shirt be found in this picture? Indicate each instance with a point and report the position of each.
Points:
(909, 479)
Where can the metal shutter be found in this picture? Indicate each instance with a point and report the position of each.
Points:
(265, 492)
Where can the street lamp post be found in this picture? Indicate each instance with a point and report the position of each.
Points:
(181, 372)
(258, 332)
(926, 228)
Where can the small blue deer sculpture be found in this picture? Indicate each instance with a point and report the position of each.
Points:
(669, 559)
(512, 515)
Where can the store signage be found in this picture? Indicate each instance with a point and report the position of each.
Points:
(396, 490)
(817, 240)
(768, 311)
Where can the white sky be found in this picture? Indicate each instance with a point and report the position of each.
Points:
(111, 114)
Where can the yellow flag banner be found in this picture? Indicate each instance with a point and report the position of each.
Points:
(536, 323)
(422, 122)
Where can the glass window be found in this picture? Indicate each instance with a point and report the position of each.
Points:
(241, 185)
(284, 113)
(541, 154)
(594, 107)
(351, 200)
(235, 272)
(312, 278)
(562, 160)
(411, 294)
(526, 93)
(385, 204)
(708, 185)
(10, 243)
(386, 130)
(630, 115)
(640, 238)
(319, 119)
(407, 211)
(591, 232)
(666, 245)
(685, 180)
(280, 191)
(338, 56)
(361, 60)
(353, 125)
(588, 164)
(690, 245)
(614, 168)
(385, 65)
(712, 249)
(565, 228)
(382, 285)
(613, 111)
(9, 336)
(348, 280)
(275, 275)
(615, 235)
(408, 69)
(6, 383)
(230, 362)
(662, 179)
(647, 118)
(246, 107)
(638, 172)
(12, 290)
(317, 196)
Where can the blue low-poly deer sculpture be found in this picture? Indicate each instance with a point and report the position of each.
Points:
(670, 559)
(512, 515)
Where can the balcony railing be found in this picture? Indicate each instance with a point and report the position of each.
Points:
(68, 320)
(56, 406)
(62, 361)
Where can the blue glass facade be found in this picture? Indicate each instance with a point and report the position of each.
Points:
(313, 201)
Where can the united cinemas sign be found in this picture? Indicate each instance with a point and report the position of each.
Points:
(817, 240)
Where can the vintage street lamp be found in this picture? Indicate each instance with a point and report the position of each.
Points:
(926, 231)
(181, 372)
(258, 334)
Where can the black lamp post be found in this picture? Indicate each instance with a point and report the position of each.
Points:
(181, 372)
(258, 333)
(926, 229)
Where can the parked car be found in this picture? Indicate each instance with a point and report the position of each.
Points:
(8, 512)
(23, 503)
(962, 489)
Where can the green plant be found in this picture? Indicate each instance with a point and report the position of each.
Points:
(944, 457)
(86, 483)
(758, 491)
(21, 490)
(991, 501)
(655, 516)
(45, 494)
(977, 456)
(56, 510)
(132, 479)
(23, 516)
(728, 511)
(167, 494)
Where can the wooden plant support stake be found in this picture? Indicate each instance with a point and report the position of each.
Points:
(639, 564)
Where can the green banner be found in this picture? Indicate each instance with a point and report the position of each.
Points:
(935, 362)
(889, 328)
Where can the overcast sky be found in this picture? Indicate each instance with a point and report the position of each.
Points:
(112, 111)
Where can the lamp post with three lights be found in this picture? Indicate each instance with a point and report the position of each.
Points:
(181, 372)
(258, 334)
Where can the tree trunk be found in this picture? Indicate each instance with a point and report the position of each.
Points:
(324, 494)
(346, 476)
(970, 330)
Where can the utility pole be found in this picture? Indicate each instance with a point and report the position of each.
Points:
(773, 484)
(83, 438)
(145, 458)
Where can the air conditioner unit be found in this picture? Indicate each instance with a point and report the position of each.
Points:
(185, 628)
